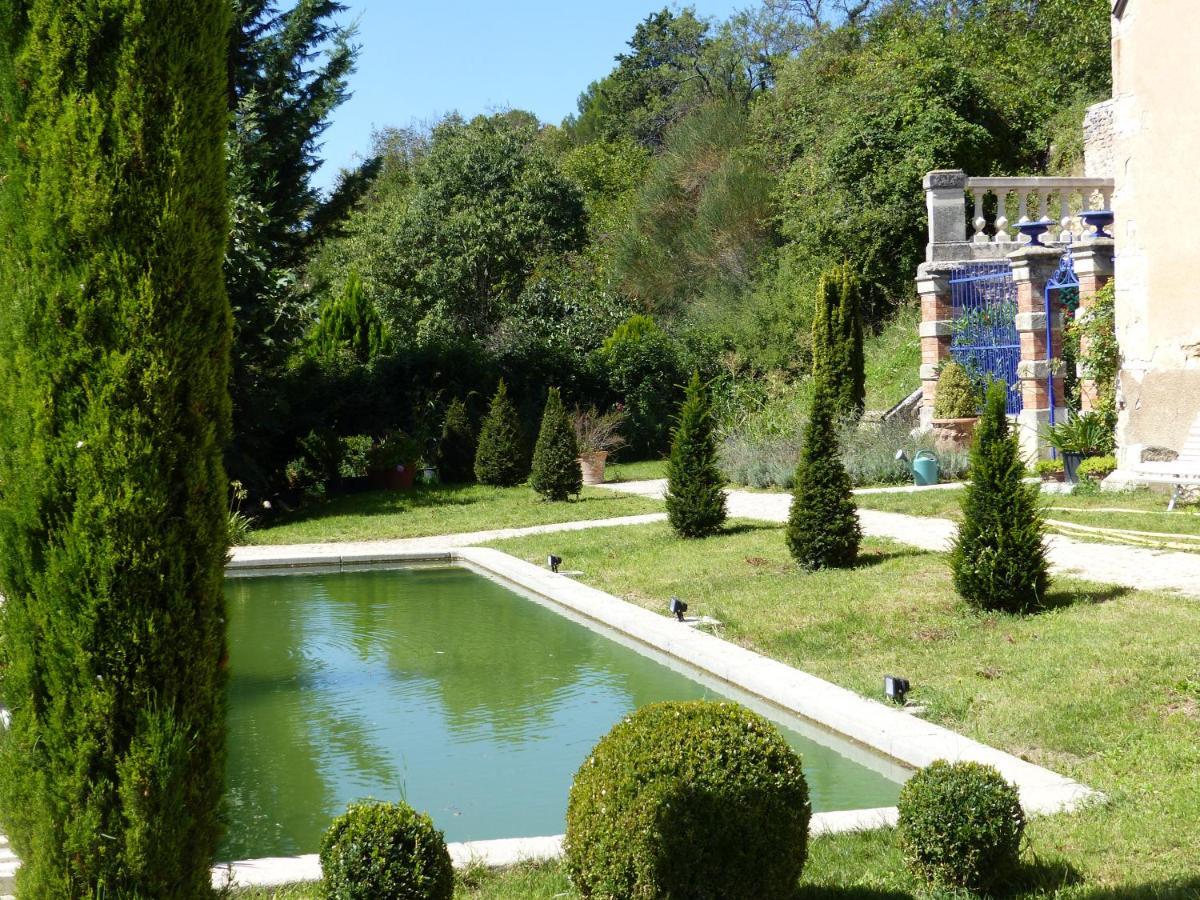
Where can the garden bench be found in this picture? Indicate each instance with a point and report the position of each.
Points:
(1180, 472)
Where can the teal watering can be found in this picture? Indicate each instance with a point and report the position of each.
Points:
(925, 468)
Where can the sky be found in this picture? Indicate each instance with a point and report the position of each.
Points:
(421, 59)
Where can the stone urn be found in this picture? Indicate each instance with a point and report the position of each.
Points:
(592, 466)
(953, 434)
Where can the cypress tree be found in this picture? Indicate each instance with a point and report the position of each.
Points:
(837, 341)
(350, 321)
(500, 455)
(456, 449)
(695, 494)
(999, 555)
(556, 474)
(823, 529)
(114, 369)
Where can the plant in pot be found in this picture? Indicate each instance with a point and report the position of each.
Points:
(393, 462)
(955, 408)
(1079, 437)
(598, 434)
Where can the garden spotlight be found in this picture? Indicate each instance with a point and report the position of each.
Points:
(677, 608)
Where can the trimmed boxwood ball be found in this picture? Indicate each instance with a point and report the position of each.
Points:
(960, 825)
(689, 800)
(385, 851)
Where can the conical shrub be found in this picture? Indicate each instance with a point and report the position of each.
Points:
(456, 449)
(823, 530)
(695, 487)
(500, 455)
(999, 555)
(556, 474)
(837, 341)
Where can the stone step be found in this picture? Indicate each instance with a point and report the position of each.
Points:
(8, 869)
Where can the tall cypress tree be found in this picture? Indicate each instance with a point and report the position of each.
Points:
(555, 473)
(500, 452)
(837, 341)
(114, 366)
(695, 488)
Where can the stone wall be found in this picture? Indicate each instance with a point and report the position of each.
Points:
(1098, 160)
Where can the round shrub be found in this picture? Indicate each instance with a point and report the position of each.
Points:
(698, 800)
(1097, 467)
(956, 397)
(960, 825)
(385, 851)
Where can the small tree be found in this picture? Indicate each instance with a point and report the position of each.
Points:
(500, 456)
(456, 449)
(823, 529)
(695, 495)
(350, 321)
(837, 341)
(999, 555)
(956, 397)
(556, 473)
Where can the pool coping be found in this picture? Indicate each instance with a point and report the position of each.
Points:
(885, 729)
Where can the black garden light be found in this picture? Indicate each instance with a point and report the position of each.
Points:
(677, 608)
(895, 688)
(553, 562)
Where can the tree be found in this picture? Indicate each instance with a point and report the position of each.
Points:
(456, 449)
(114, 360)
(823, 529)
(350, 322)
(556, 474)
(837, 342)
(999, 555)
(695, 488)
(500, 456)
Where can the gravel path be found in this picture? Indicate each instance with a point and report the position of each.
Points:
(1132, 567)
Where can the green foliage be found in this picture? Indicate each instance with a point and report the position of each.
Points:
(837, 341)
(822, 529)
(349, 322)
(957, 396)
(1097, 467)
(1087, 432)
(456, 449)
(500, 453)
(393, 450)
(555, 473)
(1045, 468)
(999, 555)
(644, 372)
(960, 825)
(1091, 339)
(378, 850)
(695, 487)
(689, 800)
(114, 369)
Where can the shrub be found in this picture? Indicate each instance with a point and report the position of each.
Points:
(349, 322)
(1097, 468)
(823, 529)
(837, 341)
(643, 368)
(761, 462)
(1087, 432)
(999, 555)
(689, 800)
(960, 825)
(356, 455)
(556, 473)
(500, 454)
(695, 494)
(957, 396)
(383, 850)
(456, 449)
(1048, 468)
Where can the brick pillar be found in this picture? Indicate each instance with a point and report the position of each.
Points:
(937, 313)
(1032, 267)
(1094, 269)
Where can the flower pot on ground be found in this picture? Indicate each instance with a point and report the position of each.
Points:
(955, 408)
(597, 434)
(1078, 438)
(393, 463)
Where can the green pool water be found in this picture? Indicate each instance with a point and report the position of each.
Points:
(440, 686)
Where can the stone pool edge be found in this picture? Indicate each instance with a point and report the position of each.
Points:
(882, 728)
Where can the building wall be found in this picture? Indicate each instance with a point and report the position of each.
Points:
(1156, 147)
(1098, 141)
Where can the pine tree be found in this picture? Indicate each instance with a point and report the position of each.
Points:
(837, 341)
(456, 449)
(695, 494)
(556, 474)
(823, 529)
(500, 455)
(349, 321)
(114, 368)
(999, 555)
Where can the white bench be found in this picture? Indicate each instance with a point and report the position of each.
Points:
(1180, 472)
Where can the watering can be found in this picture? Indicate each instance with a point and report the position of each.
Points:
(925, 467)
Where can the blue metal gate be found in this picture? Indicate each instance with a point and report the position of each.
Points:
(1062, 294)
(984, 330)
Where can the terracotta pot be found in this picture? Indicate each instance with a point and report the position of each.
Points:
(592, 466)
(397, 478)
(953, 434)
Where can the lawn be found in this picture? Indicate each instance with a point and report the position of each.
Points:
(642, 470)
(439, 509)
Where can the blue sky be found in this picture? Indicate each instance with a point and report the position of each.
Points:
(422, 59)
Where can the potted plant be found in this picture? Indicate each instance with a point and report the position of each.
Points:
(1078, 438)
(393, 462)
(597, 434)
(955, 408)
(1049, 469)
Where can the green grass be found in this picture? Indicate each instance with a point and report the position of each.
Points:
(893, 360)
(439, 509)
(642, 470)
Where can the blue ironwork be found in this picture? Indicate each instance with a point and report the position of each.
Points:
(1063, 287)
(984, 335)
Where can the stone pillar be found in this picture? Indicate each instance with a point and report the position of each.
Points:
(1032, 267)
(946, 203)
(1094, 269)
(937, 315)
